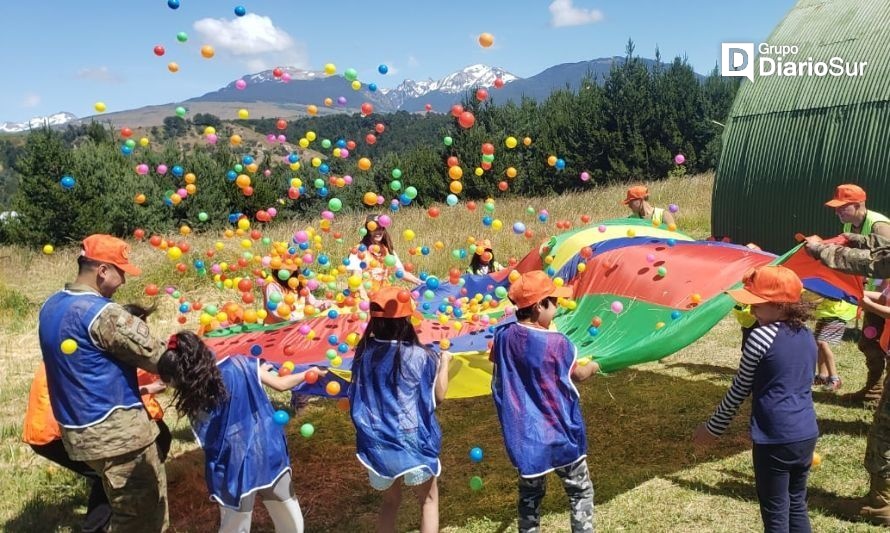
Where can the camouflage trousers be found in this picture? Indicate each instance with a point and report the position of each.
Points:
(576, 482)
(877, 446)
(136, 486)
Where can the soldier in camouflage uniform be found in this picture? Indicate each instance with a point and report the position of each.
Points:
(868, 256)
(91, 347)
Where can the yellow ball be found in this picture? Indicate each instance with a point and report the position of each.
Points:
(497, 225)
(310, 136)
(244, 223)
(444, 344)
(184, 230)
(209, 130)
(328, 102)
(48, 249)
(330, 69)
(207, 51)
(478, 171)
(235, 140)
(631, 233)
(356, 85)
(174, 253)
(527, 141)
(551, 160)
(303, 142)
(511, 142)
(408, 235)
(69, 346)
(243, 114)
(173, 67)
(455, 187)
(99, 107)
(143, 142)
(312, 110)
(511, 172)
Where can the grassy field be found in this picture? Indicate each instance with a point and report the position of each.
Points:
(646, 473)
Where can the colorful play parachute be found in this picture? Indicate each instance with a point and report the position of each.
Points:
(640, 293)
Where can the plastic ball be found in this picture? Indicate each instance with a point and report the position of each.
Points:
(476, 454)
(281, 417)
(486, 39)
(617, 307)
(476, 483)
(870, 332)
(518, 228)
(67, 183)
(240, 11)
(383, 69)
(207, 51)
(48, 249)
(662, 271)
(673, 208)
(675, 315)
(69, 346)
(332, 388)
(182, 37)
(679, 159)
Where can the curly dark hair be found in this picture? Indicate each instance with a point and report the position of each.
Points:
(191, 369)
(797, 314)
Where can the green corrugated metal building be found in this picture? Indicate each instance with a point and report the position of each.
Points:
(791, 140)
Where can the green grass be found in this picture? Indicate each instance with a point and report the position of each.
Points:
(646, 474)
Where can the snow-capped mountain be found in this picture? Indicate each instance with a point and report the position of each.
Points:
(287, 74)
(456, 82)
(56, 119)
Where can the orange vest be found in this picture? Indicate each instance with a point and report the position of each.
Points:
(40, 426)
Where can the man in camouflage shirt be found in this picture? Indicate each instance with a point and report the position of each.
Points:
(91, 347)
(867, 256)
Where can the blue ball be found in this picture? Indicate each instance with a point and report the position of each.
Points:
(476, 454)
(432, 282)
(293, 158)
(332, 314)
(281, 417)
(372, 87)
(185, 307)
(675, 315)
(383, 69)
(671, 242)
(173, 4)
(323, 260)
(231, 175)
(425, 250)
(67, 182)
(199, 265)
(323, 192)
(486, 221)
(126, 150)
(342, 347)
(543, 217)
(178, 171)
(256, 350)
(240, 11)
(560, 164)
(341, 143)
(593, 331)
(247, 160)
(426, 306)
(458, 313)
(333, 340)
(303, 246)
(518, 228)
(233, 218)
(324, 168)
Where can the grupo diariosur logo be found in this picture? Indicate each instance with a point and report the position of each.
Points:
(738, 60)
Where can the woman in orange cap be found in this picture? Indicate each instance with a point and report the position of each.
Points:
(638, 201)
(483, 261)
(778, 362)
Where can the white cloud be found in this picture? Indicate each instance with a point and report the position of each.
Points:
(251, 34)
(31, 100)
(563, 13)
(101, 74)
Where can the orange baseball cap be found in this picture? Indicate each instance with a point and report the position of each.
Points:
(394, 302)
(637, 192)
(534, 286)
(847, 194)
(769, 284)
(111, 250)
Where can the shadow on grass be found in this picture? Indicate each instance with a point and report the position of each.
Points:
(741, 487)
(51, 512)
(639, 425)
(704, 369)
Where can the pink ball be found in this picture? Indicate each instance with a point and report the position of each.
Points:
(364, 305)
(308, 259)
(602, 228)
(267, 173)
(266, 261)
(212, 138)
(240, 85)
(170, 290)
(282, 138)
(679, 159)
(384, 221)
(312, 284)
(348, 179)
(285, 77)
(182, 193)
(142, 169)
(380, 199)
(270, 138)
(301, 236)
(617, 307)
(216, 269)
(272, 212)
(344, 153)
(304, 329)
(327, 215)
(650, 258)
(161, 169)
(870, 332)
(585, 176)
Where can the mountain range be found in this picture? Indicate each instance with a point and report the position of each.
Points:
(287, 91)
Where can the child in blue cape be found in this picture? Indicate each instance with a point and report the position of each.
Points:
(244, 448)
(538, 405)
(396, 386)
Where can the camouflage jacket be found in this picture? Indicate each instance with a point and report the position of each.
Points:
(863, 255)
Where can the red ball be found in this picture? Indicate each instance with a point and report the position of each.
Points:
(281, 124)
(466, 120)
(498, 83)
(379, 127)
(433, 212)
(139, 234)
(151, 289)
(367, 108)
(159, 50)
(311, 376)
(245, 285)
(403, 296)
(481, 94)
(277, 72)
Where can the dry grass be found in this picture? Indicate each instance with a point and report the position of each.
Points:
(646, 474)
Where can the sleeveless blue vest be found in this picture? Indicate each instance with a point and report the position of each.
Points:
(396, 429)
(244, 449)
(538, 405)
(88, 385)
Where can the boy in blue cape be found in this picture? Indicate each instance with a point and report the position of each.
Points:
(538, 405)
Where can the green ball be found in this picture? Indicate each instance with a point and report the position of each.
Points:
(411, 193)
(389, 260)
(488, 158)
(530, 210)
(476, 483)
(350, 74)
(500, 292)
(176, 294)
(180, 111)
(395, 185)
(396, 173)
(319, 183)
(203, 217)
(283, 275)
(130, 143)
(335, 204)
(662, 271)
(182, 37)
(211, 310)
(307, 430)
(448, 141)
(267, 241)
(239, 167)
(325, 143)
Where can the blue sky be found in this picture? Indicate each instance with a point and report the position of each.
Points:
(65, 56)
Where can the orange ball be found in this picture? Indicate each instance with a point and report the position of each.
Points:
(486, 39)
(332, 388)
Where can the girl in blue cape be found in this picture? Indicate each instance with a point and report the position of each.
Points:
(396, 385)
(244, 448)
